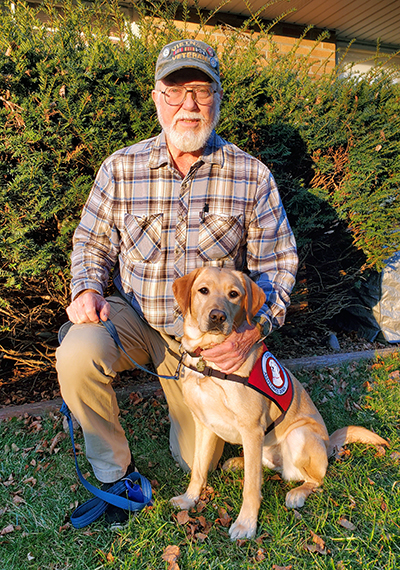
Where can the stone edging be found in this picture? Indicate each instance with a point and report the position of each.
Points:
(308, 363)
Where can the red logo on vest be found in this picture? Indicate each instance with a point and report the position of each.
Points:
(270, 379)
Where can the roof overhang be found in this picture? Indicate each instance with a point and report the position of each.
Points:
(367, 22)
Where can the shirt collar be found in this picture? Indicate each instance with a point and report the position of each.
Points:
(213, 152)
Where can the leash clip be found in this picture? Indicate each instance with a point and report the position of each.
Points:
(134, 491)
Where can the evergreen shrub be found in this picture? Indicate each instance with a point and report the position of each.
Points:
(78, 87)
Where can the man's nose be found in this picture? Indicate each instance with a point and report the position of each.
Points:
(189, 102)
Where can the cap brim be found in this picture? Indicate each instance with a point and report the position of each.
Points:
(171, 67)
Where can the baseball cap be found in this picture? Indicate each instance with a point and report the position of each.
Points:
(187, 53)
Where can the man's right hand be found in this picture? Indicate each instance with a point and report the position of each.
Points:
(88, 307)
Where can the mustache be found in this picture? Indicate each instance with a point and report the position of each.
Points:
(187, 116)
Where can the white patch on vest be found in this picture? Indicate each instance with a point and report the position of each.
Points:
(274, 375)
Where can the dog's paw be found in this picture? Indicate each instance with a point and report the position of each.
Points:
(183, 502)
(234, 464)
(243, 529)
(296, 498)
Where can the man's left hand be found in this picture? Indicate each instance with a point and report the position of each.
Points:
(231, 354)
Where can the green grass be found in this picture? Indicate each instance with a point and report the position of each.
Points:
(39, 489)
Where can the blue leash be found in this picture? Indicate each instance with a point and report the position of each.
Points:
(138, 496)
(109, 325)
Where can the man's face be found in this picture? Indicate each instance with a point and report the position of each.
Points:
(189, 125)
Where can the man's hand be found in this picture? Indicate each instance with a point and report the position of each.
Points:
(87, 308)
(230, 354)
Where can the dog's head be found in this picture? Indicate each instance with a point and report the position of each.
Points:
(215, 300)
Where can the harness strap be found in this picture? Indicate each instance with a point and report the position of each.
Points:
(209, 371)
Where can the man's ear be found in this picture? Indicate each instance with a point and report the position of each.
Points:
(182, 288)
(255, 297)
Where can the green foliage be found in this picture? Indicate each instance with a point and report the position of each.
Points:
(74, 90)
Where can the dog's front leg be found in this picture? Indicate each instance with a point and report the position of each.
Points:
(245, 525)
(205, 443)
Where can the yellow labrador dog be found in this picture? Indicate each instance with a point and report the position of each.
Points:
(214, 302)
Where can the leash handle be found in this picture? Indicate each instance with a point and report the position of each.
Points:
(110, 327)
(94, 508)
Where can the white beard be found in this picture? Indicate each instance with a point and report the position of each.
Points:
(190, 141)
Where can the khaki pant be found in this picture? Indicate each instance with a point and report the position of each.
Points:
(88, 361)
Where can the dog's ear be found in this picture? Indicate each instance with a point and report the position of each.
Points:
(182, 288)
(255, 298)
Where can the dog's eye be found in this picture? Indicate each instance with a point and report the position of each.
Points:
(204, 291)
(233, 294)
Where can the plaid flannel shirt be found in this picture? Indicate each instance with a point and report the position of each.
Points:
(142, 218)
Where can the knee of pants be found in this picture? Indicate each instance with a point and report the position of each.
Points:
(86, 353)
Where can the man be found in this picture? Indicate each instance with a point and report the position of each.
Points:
(158, 210)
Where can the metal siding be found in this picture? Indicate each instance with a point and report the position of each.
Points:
(363, 20)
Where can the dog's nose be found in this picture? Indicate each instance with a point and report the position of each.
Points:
(217, 317)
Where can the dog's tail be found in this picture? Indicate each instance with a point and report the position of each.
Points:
(353, 434)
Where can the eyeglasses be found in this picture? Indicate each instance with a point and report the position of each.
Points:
(176, 94)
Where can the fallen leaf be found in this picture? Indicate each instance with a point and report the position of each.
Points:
(135, 398)
(315, 548)
(275, 567)
(383, 506)
(110, 557)
(183, 517)
(224, 519)
(64, 527)
(56, 439)
(260, 555)
(30, 557)
(171, 555)
(380, 451)
(201, 536)
(318, 540)
(206, 525)
(30, 480)
(7, 530)
(346, 524)
(201, 505)
(395, 456)
(17, 500)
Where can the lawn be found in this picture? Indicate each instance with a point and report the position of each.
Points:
(352, 522)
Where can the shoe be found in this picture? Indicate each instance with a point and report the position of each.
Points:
(115, 517)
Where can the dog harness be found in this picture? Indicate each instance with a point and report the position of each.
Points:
(268, 377)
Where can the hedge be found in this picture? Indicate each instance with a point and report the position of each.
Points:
(70, 95)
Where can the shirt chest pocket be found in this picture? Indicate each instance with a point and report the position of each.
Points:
(142, 237)
(219, 236)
